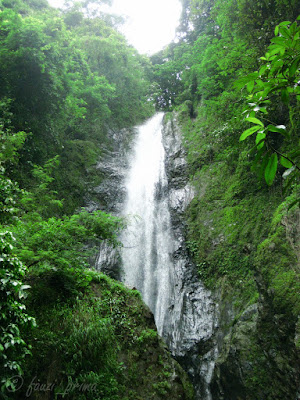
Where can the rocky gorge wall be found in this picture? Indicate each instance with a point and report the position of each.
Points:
(234, 344)
(192, 316)
(194, 322)
(249, 260)
(238, 330)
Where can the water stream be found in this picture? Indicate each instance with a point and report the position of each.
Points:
(154, 256)
(148, 244)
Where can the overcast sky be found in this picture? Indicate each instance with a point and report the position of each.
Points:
(150, 24)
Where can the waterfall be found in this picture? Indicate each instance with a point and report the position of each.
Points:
(154, 256)
(148, 241)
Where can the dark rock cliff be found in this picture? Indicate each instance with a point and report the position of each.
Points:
(253, 342)
(237, 339)
(191, 335)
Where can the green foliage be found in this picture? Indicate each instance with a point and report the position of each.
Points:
(91, 343)
(54, 250)
(11, 142)
(67, 79)
(276, 81)
(60, 242)
(78, 340)
(42, 199)
(63, 85)
(147, 336)
(13, 317)
(162, 388)
(9, 192)
(243, 233)
(87, 340)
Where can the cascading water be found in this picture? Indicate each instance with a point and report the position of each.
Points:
(148, 244)
(154, 255)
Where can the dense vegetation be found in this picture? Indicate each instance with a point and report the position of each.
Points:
(68, 79)
(233, 80)
(222, 77)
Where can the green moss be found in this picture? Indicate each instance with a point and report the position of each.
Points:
(162, 388)
(95, 333)
(232, 214)
(243, 237)
(147, 336)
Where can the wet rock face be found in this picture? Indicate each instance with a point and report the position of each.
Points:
(193, 325)
(231, 366)
(229, 353)
(108, 260)
(110, 194)
(257, 359)
(180, 191)
(223, 350)
(192, 320)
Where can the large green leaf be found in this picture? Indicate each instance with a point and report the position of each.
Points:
(278, 129)
(255, 121)
(284, 23)
(275, 49)
(249, 132)
(294, 66)
(271, 169)
(250, 86)
(279, 41)
(285, 162)
(285, 32)
(260, 140)
(263, 69)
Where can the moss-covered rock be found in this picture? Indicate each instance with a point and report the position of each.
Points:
(244, 238)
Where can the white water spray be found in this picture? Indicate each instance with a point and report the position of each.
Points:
(154, 257)
(147, 242)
